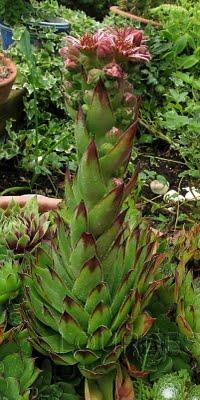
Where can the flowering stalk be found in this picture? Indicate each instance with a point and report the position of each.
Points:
(103, 56)
(87, 291)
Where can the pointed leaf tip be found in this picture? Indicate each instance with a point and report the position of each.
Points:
(81, 210)
(80, 115)
(92, 151)
(67, 175)
(92, 264)
(101, 91)
(88, 239)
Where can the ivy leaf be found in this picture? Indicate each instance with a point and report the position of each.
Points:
(25, 44)
(174, 121)
(180, 44)
(187, 62)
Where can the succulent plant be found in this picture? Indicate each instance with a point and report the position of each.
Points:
(87, 291)
(49, 385)
(170, 386)
(194, 393)
(58, 391)
(17, 368)
(21, 229)
(9, 281)
(161, 349)
(176, 386)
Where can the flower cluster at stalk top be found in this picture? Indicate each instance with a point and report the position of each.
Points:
(114, 46)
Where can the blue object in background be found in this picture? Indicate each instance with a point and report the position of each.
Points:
(58, 24)
(6, 35)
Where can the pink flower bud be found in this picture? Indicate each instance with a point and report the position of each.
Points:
(70, 64)
(63, 51)
(117, 181)
(114, 70)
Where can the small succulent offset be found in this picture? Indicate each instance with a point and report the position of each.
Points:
(161, 349)
(17, 368)
(194, 393)
(47, 387)
(170, 386)
(58, 391)
(87, 291)
(187, 297)
(176, 386)
(22, 229)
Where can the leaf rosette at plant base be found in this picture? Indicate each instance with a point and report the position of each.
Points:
(18, 371)
(22, 229)
(87, 291)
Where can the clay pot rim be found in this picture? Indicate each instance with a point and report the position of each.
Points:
(11, 65)
(127, 14)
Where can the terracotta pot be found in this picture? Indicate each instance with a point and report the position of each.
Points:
(127, 14)
(6, 84)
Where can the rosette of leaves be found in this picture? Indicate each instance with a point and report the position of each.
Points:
(160, 351)
(193, 393)
(17, 368)
(172, 386)
(58, 391)
(22, 229)
(47, 387)
(87, 291)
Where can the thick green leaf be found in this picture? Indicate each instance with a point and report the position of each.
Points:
(71, 331)
(90, 276)
(102, 216)
(100, 316)
(100, 118)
